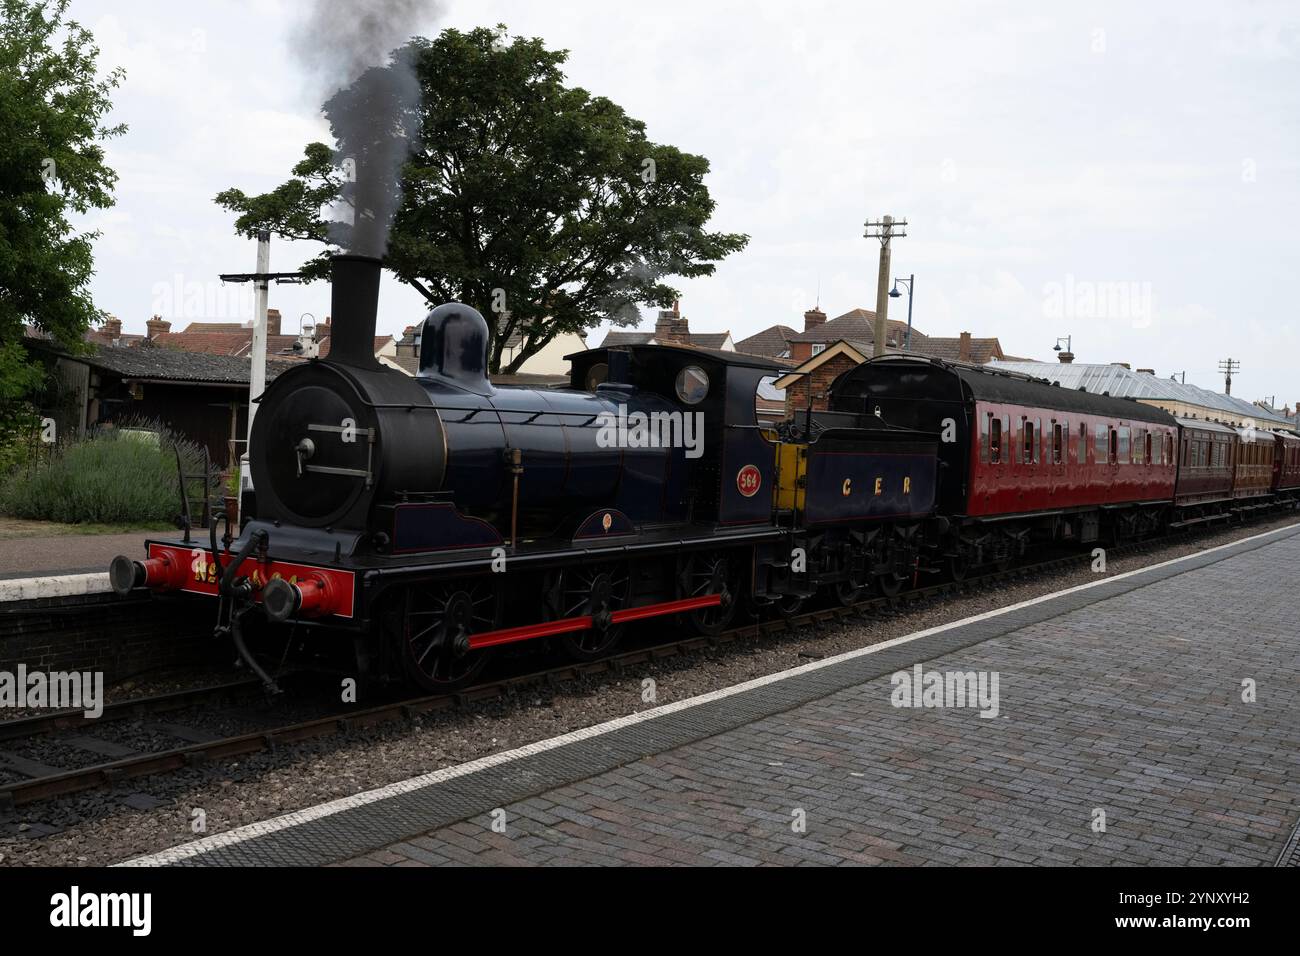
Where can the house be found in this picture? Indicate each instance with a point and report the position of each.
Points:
(673, 328)
(825, 349)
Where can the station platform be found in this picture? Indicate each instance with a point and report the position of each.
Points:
(37, 558)
(1126, 733)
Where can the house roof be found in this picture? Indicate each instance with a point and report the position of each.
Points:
(216, 327)
(949, 348)
(1125, 383)
(709, 340)
(856, 324)
(772, 341)
(627, 338)
(241, 343)
(207, 342)
(857, 351)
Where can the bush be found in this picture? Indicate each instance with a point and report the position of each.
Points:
(112, 478)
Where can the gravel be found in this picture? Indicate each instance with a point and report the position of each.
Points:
(145, 816)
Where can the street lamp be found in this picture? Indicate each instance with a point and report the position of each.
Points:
(1067, 340)
(894, 294)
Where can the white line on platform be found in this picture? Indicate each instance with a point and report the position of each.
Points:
(252, 830)
(53, 586)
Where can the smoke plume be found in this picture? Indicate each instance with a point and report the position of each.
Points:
(354, 49)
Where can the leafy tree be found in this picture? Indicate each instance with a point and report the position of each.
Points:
(522, 196)
(52, 112)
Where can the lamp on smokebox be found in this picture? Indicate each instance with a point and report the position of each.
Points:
(895, 294)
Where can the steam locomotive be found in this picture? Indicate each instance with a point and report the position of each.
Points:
(434, 519)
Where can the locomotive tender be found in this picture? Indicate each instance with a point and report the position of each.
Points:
(435, 518)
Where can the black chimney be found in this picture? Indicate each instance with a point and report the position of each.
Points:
(354, 303)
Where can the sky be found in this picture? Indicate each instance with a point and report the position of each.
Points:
(1127, 175)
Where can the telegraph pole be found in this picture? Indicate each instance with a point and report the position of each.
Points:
(261, 280)
(884, 230)
(1228, 367)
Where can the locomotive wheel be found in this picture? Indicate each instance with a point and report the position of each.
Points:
(958, 567)
(712, 574)
(434, 630)
(598, 592)
(789, 606)
(890, 584)
(852, 589)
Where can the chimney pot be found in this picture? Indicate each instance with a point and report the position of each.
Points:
(963, 353)
(156, 326)
(1146, 371)
(1065, 357)
(272, 321)
(113, 327)
(813, 318)
(671, 327)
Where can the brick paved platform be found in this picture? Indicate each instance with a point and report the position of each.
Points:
(1123, 697)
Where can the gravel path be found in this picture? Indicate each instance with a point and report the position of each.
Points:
(107, 827)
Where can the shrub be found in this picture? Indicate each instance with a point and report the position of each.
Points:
(111, 478)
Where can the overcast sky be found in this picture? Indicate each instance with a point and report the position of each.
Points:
(1125, 174)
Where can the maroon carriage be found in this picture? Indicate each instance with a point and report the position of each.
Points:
(1025, 458)
(1286, 464)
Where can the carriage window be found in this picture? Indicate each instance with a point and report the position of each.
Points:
(1028, 435)
(1056, 444)
(984, 436)
(1040, 443)
(995, 441)
(1139, 446)
(1124, 445)
(1101, 450)
(1112, 451)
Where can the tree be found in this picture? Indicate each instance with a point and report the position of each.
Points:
(522, 196)
(52, 111)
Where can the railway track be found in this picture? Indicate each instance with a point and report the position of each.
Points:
(45, 783)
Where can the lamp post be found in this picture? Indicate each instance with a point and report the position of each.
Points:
(894, 294)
